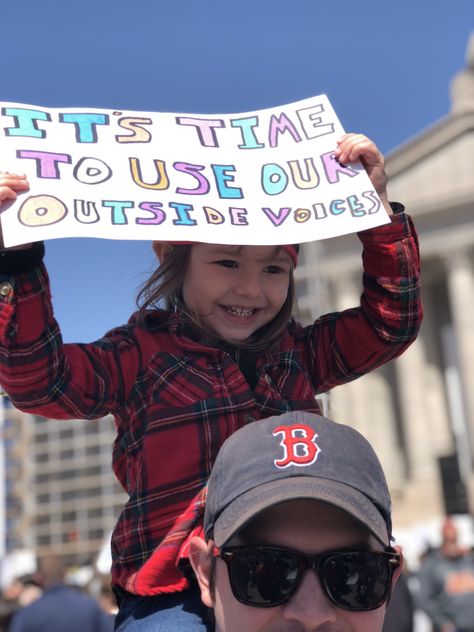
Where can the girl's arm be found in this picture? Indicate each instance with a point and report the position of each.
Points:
(38, 372)
(345, 345)
(42, 375)
(342, 346)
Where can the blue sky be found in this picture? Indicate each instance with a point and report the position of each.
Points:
(385, 65)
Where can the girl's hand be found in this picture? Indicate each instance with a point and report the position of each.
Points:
(10, 184)
(353, 147)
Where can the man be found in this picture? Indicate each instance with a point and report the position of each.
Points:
(60, 608)
(297, 529)
(446, 584)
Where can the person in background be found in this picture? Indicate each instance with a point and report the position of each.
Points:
(446, 584)
(107, 600)
(297, 530)
(60, 607)
(20, 592)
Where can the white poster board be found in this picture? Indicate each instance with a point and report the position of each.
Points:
(264, 177)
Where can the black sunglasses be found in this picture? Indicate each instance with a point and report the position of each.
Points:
(267, 576)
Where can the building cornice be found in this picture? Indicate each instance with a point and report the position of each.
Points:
(428, 142)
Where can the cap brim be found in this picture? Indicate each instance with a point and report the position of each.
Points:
(347, 498)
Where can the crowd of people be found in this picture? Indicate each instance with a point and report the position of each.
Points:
(439, 596)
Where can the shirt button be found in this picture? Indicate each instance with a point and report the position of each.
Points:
(6, 289)
(268, 379)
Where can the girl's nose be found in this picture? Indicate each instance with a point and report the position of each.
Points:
(249, 285)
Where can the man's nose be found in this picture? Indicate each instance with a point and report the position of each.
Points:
(310, 606)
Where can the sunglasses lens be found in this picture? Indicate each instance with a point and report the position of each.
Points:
(357, 581)
(262, 578)
(266, 577)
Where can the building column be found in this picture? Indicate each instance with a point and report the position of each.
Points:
(422, 403)
(423, 410)
(348, 402)
(460, 282)
(366, 403)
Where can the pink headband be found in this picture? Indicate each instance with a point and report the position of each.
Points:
(292, 250)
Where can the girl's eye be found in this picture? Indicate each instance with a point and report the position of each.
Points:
(227, 263)
(274, 269)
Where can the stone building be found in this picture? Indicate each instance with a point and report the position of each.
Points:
(60, 493)
(418, 411)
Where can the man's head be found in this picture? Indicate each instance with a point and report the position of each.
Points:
(450, 546)
(51, 570)
(284, 493)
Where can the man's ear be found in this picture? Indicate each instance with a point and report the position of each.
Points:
(161, 249)
(399, 569)
(201, 558)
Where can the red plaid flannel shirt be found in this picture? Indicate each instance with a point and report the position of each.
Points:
(175, 401)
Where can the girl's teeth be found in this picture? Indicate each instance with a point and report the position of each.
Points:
(238, 311)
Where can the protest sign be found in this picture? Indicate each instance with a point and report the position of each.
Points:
(263, 177)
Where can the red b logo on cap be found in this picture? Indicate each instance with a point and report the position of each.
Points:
(299, 445)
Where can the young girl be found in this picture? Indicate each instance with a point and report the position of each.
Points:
(224, 352)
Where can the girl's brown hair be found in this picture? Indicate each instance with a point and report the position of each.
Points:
(164, 289)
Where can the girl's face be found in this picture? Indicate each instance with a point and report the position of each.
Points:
(235, 290)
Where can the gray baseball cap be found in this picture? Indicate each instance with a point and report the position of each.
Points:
(293, 456)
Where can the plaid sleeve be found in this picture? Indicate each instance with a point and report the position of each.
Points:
(345, 345)
(41, 374)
